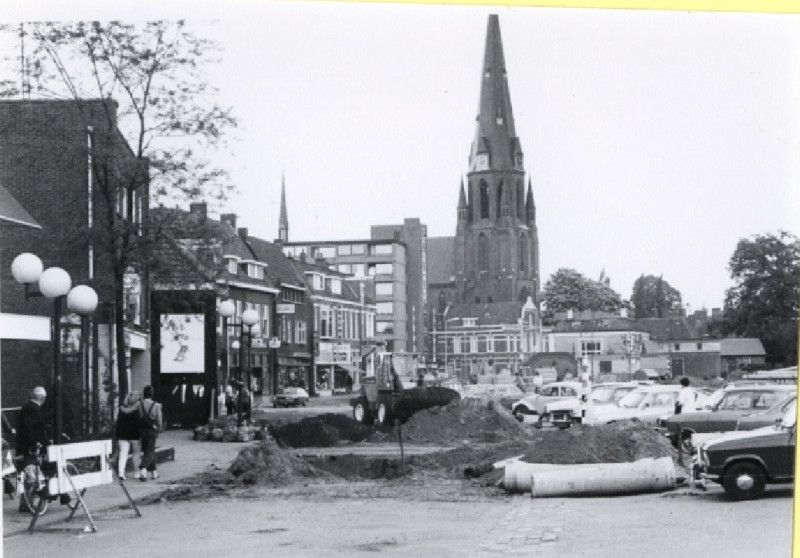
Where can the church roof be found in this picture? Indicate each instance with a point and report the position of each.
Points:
(490, 313)
(441, 260)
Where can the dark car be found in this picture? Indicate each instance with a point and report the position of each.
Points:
(294, 396)
(745, 462)
(737, 402)
(768, 417)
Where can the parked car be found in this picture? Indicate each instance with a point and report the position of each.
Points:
(735, 403)
(567, 411)
(294, 396)
(506, 394)
(534, 404)
(768, 417)
(645, 403)
(744, 462)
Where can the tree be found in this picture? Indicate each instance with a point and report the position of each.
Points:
(763, 301)
(569, 290)
(161, 115)
(653, 297)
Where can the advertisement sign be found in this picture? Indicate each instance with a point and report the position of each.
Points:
(182, 344)
(285, 308)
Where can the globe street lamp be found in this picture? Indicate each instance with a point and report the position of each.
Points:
(249, 318)
(54, 283)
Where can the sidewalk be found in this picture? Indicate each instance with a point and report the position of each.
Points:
(190, 458)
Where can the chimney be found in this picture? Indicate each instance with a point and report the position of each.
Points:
(198, 209)
(243, 233)
(229, 219)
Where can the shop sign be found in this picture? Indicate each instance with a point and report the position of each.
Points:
(285, 308)
(274, 343)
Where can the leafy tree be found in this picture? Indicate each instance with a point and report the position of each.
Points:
(763, 301)
(653, 297)
(569, 290)
(166, 112)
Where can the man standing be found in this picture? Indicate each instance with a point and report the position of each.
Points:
(686, 397)
(32, 432)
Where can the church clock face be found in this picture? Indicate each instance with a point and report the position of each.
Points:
(481, 161)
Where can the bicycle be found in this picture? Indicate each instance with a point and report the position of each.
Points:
(34, 478)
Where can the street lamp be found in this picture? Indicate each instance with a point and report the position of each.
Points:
(54, 283)
(249, 318)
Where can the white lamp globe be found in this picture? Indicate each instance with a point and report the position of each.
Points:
(226, 308)
(54, 282)
(82, 300)
(249, 317)
(26, 268)
(235, 345)
(255, 331)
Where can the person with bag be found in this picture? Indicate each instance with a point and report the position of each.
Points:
(128, 433)
(151, 422)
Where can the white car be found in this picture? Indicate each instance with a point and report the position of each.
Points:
(564, 412)
(534, 404)
(646, 403)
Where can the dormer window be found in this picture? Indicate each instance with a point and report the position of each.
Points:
(255, 271)
(336, 286)
(318, 282)
(232, 265)
(470, 322)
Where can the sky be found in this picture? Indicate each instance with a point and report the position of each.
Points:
(654, 141)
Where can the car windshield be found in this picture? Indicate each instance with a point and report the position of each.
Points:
(790, 416)
(632, 399)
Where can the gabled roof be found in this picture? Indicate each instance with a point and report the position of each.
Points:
(610, 323)
(745, 346)
(350, 292)
(669, 329)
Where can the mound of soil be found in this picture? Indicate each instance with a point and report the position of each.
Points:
(267, 464)
(471, 419)
(320, 431)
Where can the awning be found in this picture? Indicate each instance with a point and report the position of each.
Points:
(12, 212)
(355, 370)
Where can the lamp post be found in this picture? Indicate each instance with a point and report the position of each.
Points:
(54, 283)
(249, 318)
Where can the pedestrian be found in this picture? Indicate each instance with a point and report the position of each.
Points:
(686, 397)
(31, 433)
(151, 422)
(128, 432)
(538, 381)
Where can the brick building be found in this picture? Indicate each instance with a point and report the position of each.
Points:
(51, 157)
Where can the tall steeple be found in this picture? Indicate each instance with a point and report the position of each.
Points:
(496, 146)
(283, 222)
(496, 240)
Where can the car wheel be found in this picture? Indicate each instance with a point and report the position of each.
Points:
(361, 413)
(743, 481)
(520, 413)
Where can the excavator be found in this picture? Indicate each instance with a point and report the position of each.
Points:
(394, 389)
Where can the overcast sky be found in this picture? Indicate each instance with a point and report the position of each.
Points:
(654, 141)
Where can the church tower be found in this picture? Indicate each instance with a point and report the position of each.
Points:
(496, 244)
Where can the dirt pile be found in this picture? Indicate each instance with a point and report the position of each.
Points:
(320, 431)
(471, 420)
(267, 464)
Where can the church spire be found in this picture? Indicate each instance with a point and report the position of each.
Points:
(462, 206)
(530, 207)
(496, 145)
(283, 222)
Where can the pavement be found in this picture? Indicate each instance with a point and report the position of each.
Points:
(180, 457)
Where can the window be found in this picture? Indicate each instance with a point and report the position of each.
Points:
(300, 332)
(359, 249)
(465, 344)
(255, 271)
(359, 270)
(325, 329)
(233, 266)
(384, 289)
(286, 329)
(523, 254)
(483, 253)
(264, 321)
(568, 391)
(381, 269)
(336, 286)
(499, 199)
(699, 346)
(382, 249)
(344, 250)
(470, 322)
(384, 327)
(318, 282)
(590, 348)
(482, 345)
(326, 252)
(345, 268)
(484, 195)
(677, 346)
(384, 307)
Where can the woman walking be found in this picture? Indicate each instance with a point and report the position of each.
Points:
(151, 423)
(128, 432)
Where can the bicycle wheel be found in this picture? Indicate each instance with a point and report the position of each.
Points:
(33, 488)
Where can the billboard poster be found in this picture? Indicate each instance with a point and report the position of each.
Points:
(182, 344)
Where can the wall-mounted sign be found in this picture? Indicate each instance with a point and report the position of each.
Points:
(182, 343)
(285, 308)
(259, 343)
(274, 343)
